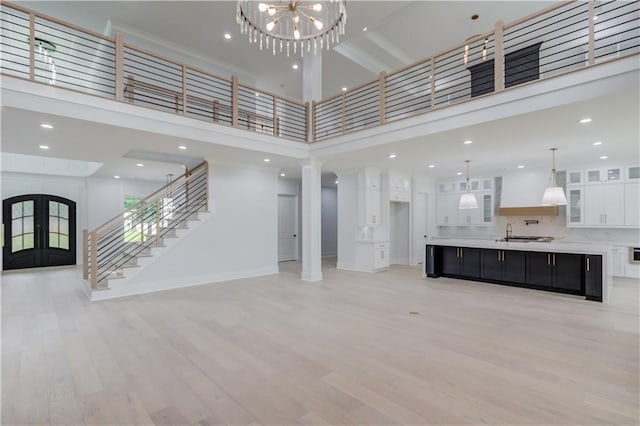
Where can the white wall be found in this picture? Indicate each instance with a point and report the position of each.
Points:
(239, 240)
(97, 200)
(329, 221)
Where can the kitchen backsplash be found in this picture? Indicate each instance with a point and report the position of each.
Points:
(547, 226)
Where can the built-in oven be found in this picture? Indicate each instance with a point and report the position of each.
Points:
(634, 255)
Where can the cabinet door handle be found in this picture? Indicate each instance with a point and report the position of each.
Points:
(587, 264)
(554, 260)
(503, 255)
(605, 219)
(498, 255)
(548, 259)
(461, 252)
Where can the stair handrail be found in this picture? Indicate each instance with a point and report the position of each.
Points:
(163, 190)
(91, 239)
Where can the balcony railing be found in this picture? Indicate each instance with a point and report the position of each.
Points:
(47, 50)
(565, 37)
(562, 38)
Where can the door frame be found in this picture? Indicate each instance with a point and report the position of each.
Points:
(297, 230)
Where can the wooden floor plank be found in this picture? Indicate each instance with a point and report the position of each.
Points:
(276, 350)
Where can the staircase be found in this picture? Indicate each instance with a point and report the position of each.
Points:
(117, 250)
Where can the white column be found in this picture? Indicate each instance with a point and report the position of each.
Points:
(311, 220)
(312, 77)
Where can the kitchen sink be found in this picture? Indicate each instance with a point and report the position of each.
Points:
(526, 239)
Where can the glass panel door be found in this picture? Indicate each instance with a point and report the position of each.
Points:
(39, 231)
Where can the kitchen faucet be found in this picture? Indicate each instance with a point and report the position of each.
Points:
(509, 231)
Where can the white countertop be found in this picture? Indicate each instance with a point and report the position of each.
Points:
(557, 246)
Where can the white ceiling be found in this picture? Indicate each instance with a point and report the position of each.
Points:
(398, 33)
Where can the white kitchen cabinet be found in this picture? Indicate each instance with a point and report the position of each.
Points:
(487, 185)
(372, 256)
(369, 199)
(575, 206)
(605, 174)
(474, 184)
(483, 215)
(632, 174)
(632, 203)
(619, 256)
(487, 208)
(604, 205)
(399, 189)
(447, 209)
(380, 256)
(575, 177)
(447, 187)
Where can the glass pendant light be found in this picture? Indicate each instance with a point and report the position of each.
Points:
(554, 195)
(468, 200)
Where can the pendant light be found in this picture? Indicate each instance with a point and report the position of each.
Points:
(554, 195)
(468, 200)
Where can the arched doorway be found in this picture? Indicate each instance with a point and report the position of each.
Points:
(39, 230)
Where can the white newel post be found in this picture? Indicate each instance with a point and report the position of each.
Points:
(311, 220)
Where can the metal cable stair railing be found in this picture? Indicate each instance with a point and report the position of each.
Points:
(118, 243)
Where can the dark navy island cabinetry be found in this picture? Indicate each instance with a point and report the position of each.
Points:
(579, 274)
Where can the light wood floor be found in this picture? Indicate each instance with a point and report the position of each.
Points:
(279, 351)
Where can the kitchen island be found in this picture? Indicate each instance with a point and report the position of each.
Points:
(560, 266)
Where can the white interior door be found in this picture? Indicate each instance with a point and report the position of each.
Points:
(286, 228)
(420, 227)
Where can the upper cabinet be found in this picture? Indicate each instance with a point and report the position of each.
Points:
(448, 198)
(369, 198)
(605, 197)
(605, 174)
(399, 189)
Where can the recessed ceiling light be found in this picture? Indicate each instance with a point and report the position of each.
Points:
(365, 29)
(44, 147)
(336, 182)
(227, 36)
(257, 94)
(468, 142)
(294, 66)
(46, 126)
(140, 165)
(392, 156)
(266, 160)
(283, 174)
(344, 89)
(521, 166)
(595, 18)
(459, 174)
(431, 166)
(604, 157)
(596, 143)
(585, 120)
(116, 177)
(182, 147)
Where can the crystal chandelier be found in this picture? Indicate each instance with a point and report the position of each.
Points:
(292, 26)
(46, 51)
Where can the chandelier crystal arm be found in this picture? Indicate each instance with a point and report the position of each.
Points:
(302, 25)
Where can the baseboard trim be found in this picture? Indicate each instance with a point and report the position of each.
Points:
(311, 276)
(132, 288)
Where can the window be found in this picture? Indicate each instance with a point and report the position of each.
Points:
(22, 233)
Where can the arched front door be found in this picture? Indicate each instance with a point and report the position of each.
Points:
(39, 230)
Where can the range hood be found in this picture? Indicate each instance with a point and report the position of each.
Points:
(522, 194)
